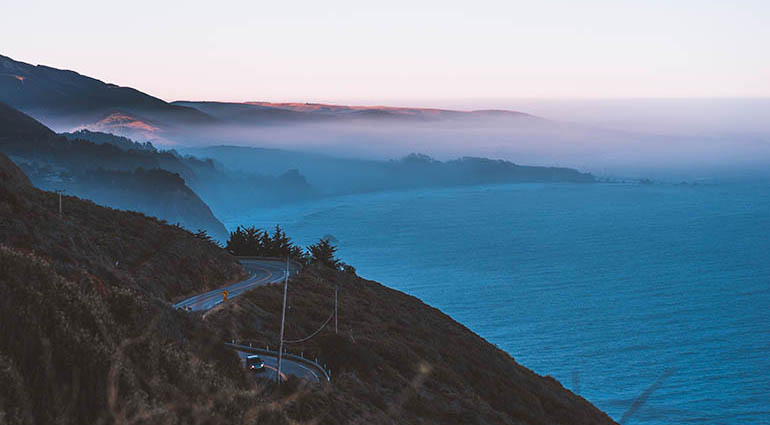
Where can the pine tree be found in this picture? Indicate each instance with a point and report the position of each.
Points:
(323, 253)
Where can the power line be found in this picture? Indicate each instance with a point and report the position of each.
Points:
(326, 322)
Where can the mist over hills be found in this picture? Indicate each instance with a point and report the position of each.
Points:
(138, 180)
(102, 160)
(193, 189)
(68, 101)
(336, 176)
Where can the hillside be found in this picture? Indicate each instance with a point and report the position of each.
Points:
(67, 99)
(140, 180)
(395, 359)
(87, 334)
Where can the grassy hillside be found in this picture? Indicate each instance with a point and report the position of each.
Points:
(87, 334)
(396, 360)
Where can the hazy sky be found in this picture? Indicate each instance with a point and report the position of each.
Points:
(402, 51)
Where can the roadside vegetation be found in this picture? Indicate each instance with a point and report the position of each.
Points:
(254, 242)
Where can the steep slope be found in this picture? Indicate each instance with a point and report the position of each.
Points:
(67, 99)
(87, 332)
(105, 173)
(16, 124)
(396, 360)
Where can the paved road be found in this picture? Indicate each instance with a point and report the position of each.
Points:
(289, 367)
(263, 272)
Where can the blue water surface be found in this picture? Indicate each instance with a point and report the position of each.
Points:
(603, 286)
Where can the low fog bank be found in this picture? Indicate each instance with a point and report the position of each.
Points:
(523, 141)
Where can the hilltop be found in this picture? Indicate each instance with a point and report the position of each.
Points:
(262, 113)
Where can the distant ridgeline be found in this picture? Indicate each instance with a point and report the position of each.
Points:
(335, 176)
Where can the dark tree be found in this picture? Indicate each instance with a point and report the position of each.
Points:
(247, 241)
(204, 235)
(323, 253)
(251, 241)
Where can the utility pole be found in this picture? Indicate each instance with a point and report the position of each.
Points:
(59, 191)
(335, 309)
(283, 320)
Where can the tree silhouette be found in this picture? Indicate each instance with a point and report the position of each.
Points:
(251, 241)
(246, 241)
(323, 253)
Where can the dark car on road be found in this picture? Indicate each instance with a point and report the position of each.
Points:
(255, 364)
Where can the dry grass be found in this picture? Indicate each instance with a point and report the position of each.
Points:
(397, 360)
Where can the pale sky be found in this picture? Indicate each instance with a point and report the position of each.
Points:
(401, 51)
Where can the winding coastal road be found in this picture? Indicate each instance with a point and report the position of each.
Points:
(302, 369)
(263, 272)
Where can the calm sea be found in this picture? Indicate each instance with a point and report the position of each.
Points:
(606, 287)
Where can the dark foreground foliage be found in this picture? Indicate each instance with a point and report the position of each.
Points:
(323, 253)
(86, 331)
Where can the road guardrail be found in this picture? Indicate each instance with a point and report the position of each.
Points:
(324, 372)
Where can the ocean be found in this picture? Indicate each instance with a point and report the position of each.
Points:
(609, 288)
